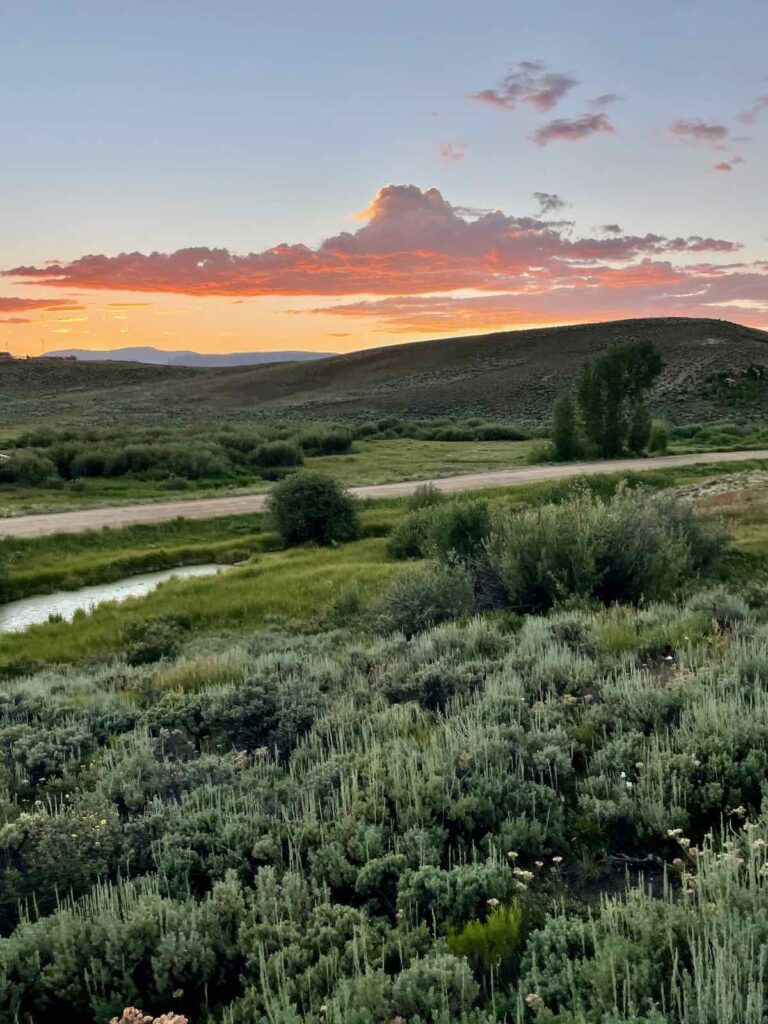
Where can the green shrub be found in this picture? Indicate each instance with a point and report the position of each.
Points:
(154, 639)
(326, 440)
(424, 596)
(635, 546)
(658, 442)
(492, 942)
(457, 530)
(439, 982)
(273, 454)
(451, 530)
(409, 537)
(425, 496)
(311, 507)
(27, 468)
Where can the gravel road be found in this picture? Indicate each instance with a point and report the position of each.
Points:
(240, 504)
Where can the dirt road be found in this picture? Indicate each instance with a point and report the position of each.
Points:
(240, 504)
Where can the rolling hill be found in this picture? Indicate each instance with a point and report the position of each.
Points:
(514, 375)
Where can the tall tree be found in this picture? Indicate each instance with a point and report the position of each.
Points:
(565, 429)
(611, 398)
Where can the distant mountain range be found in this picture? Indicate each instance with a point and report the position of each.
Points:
(163, 357)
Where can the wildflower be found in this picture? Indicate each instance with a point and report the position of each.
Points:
(622, 775)
(764, 870)
(539, 863)
(741, 810)
(673, 833)
(492, 902)
(557, 860)
(677, 862)
(400, 914)
(684, 842)
(103, 821)
(534, 1001)
(73, 835)
(759, 844)
(524, 876)
(512, 855)
(696, 763)
(693, 852)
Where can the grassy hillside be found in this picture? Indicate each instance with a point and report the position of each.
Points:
(515, 374)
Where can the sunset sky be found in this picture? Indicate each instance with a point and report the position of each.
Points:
(331, 176)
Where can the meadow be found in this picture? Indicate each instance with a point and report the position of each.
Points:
(501, 760)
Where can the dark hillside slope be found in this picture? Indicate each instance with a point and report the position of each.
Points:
(515, 373)
(512, 375)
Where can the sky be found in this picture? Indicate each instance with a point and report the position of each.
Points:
(331, 176)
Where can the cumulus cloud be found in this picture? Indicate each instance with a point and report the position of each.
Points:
(454, 151)
(529, 82)
(572, 129)
(549, 202)
(701, 132)
(412, 241)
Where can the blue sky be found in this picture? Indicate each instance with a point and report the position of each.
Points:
(163, 126)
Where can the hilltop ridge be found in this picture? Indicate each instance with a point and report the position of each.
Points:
(510, 374)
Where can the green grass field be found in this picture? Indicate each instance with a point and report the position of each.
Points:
(371, 462)
(297, 584)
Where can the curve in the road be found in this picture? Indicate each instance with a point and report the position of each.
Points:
(242, 504)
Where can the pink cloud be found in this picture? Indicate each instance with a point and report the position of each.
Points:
(453, 152)
(758, 107)
(698, 131)
(528, 82)
(572, 130)
(11, 304)
(647, 289)
(412, 241)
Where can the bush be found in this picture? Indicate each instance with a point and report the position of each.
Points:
(633, 547)
(326, 440)
(427, 595)
(490, 943)
(26, 468)
(458, 530)
(425, 496)
(658, 442)
(155, 639)
(274, 454)
(439, 982)
(409, 537)
(312, 508)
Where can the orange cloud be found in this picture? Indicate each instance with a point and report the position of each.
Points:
(413, 241)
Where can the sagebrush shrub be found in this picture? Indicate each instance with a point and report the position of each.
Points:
(635, 546)
(427, 595)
